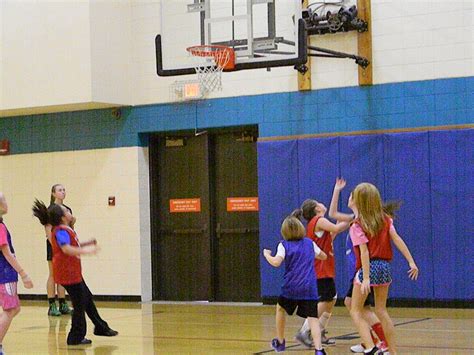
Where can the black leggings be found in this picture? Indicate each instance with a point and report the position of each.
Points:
(82, 303)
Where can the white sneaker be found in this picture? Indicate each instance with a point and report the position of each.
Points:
(357, 348)
(304, 338)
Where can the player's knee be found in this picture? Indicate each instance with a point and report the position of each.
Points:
(347, 303)
(13, 312)
(355, 313)
(381, 312)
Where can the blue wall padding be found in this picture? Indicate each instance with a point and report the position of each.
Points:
(318, 161)
(452, 200)
(431, 172)
(278, 196)
(356, 164)
(407, 178)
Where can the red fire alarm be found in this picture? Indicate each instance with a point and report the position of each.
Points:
(111, 200)
(4, 147)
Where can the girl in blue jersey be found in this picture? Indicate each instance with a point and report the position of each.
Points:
(299, 287)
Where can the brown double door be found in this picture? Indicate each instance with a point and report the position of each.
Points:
(205, 243)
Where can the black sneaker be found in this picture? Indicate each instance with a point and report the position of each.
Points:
(84, 341)
(374, 351)
(109, 332)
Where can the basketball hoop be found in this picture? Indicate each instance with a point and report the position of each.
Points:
(218, 58)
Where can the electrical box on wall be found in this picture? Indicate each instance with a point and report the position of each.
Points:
(4, 147)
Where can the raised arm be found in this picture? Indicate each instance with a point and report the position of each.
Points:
(400, 244)
(333, 212)
(321, 256)
(334, 229)
(272, 260)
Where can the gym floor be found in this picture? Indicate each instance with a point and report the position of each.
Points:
(201, 328)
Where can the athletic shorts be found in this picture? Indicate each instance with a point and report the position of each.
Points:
(326, 289)
(369, 301)
(380, 273)
(306, 308)
(8, 296)
(49, 250)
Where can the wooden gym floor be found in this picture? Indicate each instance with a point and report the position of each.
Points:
(185, 328)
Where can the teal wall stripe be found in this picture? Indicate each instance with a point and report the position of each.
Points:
(386, 106)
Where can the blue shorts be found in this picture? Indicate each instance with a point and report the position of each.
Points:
(380, 273)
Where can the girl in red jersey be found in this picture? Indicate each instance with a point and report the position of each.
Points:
(322, 232)
(371, 234)
(368, 314)
(58, 194)
(67, 271)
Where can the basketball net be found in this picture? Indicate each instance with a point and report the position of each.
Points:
(218, 58)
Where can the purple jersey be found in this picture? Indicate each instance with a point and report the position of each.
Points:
(300, 278)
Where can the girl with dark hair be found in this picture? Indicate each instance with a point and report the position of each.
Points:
(67, 271)
(58, 194)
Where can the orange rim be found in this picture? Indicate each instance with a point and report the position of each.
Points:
(224, 56)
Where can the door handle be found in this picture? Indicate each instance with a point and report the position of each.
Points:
(220, 231)
(238, 230)
(184, 231)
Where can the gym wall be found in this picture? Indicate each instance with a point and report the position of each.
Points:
(101, 55)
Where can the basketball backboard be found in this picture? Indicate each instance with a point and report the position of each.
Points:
(263, 33)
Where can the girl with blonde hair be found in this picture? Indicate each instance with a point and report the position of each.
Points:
(371, 234)
(298, 291)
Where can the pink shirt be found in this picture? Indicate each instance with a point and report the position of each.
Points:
(357, 234)
(3, 235)
(379, 247)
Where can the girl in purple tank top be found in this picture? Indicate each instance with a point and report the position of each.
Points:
(299, 287)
